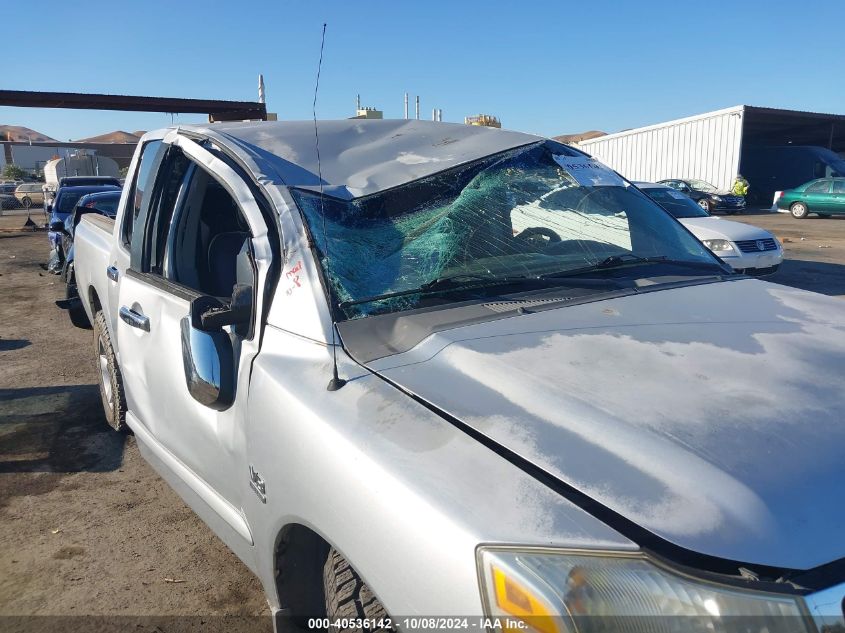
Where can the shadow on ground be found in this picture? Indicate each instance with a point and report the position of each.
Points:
(10, 344)
(823, 277)
(58, 429)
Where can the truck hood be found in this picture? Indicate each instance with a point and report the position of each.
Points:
(712, 416)
(716, 228)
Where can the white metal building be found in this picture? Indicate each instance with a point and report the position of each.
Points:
(709, 146)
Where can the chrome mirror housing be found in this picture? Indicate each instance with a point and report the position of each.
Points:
(208, 360)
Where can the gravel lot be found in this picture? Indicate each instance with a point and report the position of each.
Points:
(814, 249)
(88, 528)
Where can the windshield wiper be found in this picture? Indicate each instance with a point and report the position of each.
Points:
(452, 283)
(625, 259)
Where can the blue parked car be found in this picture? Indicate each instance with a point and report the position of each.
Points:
(61, 208)
(103, 203)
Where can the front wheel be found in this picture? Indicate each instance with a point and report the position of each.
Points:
(108, 376)
(705, 204)
(799, 210)
(348, 598)
(26, 201)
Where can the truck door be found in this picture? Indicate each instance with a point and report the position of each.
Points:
(200, 234)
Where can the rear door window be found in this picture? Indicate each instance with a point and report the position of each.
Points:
(822, 186)
(839, 186)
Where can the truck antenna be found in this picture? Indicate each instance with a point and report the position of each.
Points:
(336, 382)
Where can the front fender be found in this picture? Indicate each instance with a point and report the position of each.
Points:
(403, 494)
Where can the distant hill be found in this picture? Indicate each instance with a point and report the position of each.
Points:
(21, 133)
(577, 138)
(118, 136)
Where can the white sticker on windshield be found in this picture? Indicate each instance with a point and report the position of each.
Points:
(676, 194)
(589, 172)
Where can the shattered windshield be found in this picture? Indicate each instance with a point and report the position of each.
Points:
(537, 210)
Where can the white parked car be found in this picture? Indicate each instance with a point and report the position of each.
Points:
(746, 248)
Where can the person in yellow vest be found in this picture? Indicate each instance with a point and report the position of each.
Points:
(740, 187)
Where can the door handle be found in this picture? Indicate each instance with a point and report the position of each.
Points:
(112, 273)
(135, 319)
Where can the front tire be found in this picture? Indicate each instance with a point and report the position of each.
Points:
(108, 376)
(347, 597)
(704, 203)
(799, 210)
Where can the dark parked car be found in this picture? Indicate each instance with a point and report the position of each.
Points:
(7, 196)
(707, 196)
(61, 208)
(104, 203)
(88, 181)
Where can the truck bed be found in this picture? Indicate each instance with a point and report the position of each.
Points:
(93, 244)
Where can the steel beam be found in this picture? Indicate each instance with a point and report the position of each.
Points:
(217, 110)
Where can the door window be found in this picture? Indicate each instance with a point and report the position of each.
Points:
(199, 237)
(839, 186)
(142, 187)
(175, 177)
(822, 186)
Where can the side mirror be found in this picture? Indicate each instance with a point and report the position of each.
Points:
(210, 314)
(58, 227)
(208, 360)
(207, 349)
(49, 208)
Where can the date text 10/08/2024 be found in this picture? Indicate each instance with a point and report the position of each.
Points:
(420, 623)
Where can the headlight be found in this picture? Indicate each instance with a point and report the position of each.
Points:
(718, 246)
(560, 592)
(716, 198)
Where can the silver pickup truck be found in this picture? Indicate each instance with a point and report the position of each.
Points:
(421, 375)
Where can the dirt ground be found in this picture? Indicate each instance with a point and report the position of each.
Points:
(88, 528)
(814, 250)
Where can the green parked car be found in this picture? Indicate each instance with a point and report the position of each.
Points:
(824, 197)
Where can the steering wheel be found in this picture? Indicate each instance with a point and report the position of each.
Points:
(534, 235)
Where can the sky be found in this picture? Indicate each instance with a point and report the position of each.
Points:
(547, 67)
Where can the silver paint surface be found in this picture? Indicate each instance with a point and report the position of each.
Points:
(710, 415)
(361, 157)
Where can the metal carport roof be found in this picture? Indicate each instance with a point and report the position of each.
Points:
(773, 126)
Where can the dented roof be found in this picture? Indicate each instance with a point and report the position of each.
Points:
(360, 157)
